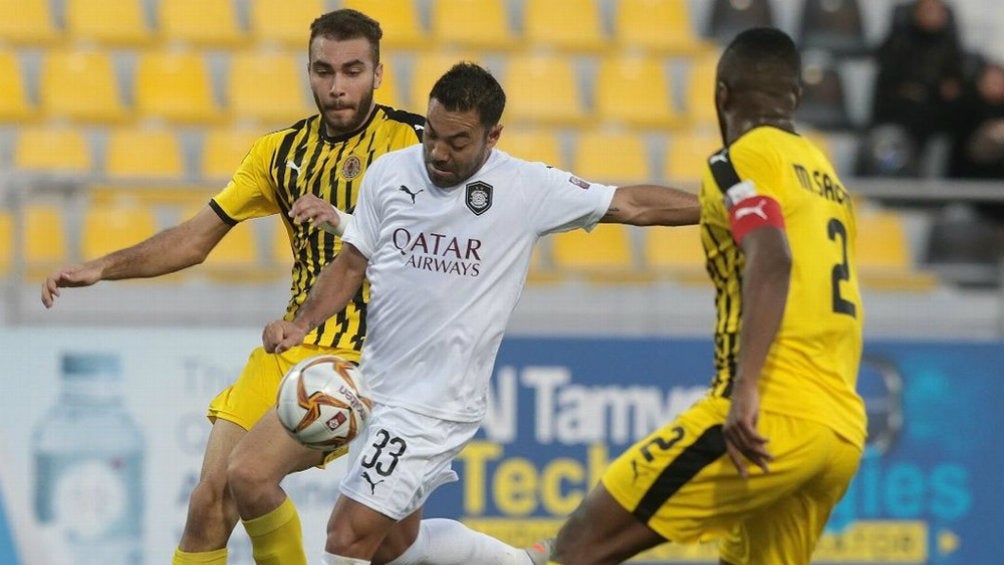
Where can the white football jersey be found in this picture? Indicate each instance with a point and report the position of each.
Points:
(446, 268)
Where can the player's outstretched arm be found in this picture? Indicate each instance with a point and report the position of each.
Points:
(653, 205)
(171, 250)
(336, 285)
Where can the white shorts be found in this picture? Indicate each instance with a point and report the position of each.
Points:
(402, 458)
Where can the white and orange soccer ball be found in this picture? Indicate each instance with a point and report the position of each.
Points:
(323, 402)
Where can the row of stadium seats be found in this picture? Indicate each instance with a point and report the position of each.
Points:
(160, 156)
(269, 87)
(259, 251)
(664, 26)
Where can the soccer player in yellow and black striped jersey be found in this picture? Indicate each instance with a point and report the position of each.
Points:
(304, 174)
(762, 460)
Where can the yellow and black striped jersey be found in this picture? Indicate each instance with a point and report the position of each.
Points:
(302, 159)
(812, 367)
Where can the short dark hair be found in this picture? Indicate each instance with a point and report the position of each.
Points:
(468, 86)
(347, 23)
(763, 59)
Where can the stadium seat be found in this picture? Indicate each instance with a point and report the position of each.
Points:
(285, 24)
(729, 17)
(399, 19)
(28, 23)
(223, 149)
(15, 105)
(823, 103)
(53, 149)
(635, 91)
(175, 86)
(687, 154)
(676, 253)
(834, 26)
(111, 225)
(122, 23)
(611, 157)
(573, 25)
(664, 27)
(235, 258)
(6, 242)
(96, 95)
(700, 91)
(45, 238)
(267, 87)
(471, 24)
(389, 93)
(964, 248)
(426, 70)
(202, 23)
(140, 153)
(533, 145)
(543, 89)
(603, 255)
(882, 253)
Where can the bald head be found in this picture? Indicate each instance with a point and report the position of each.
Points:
(758, 79)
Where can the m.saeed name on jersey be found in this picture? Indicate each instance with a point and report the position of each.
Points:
(821, 184)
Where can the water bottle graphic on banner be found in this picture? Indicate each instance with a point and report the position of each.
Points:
(89, 465)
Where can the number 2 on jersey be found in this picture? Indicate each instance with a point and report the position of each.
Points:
(841, 271)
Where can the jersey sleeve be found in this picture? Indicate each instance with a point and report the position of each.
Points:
(251, 191)
(364, 230)
(754, 194)
(560, 201)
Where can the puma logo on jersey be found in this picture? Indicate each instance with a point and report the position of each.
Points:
(373, 485)
(408, 191)
(741, 213)
(293, 166)
(718, 158)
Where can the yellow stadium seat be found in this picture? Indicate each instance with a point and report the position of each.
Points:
(114, 224)
(389, 92)
(144, 153)
(223, 149)
(543, 89)
(574, 25)
(27, 22)
(602, 255)
(267, 87)
(635, 91)
(472, 24)
(15, 106)
(283, 23)
(175, 86)
(119, 23)
(700, 97)
(611, 157)
(235, 257)
(399, 19)
(426, 70)
(675, 252)
(533, 145)
(204, 23)
(882, 253)
(6, 242)
(96, 97)
(45, 238)
(659, 26)
(687, 154)
(54, 149)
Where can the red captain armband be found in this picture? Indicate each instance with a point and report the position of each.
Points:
(754, 212)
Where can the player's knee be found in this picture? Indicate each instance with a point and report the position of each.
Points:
(243, 480)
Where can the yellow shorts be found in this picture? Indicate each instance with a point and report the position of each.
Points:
(680, 482)
(254, 392)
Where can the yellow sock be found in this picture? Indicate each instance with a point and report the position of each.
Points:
(276, 538)
(215, 557)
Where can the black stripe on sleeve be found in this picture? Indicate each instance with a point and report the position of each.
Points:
(707, 449)
(223, 215)
(722, 169)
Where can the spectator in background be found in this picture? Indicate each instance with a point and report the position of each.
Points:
(978, 140)
(920, 71)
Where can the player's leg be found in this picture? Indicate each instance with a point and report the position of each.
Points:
(439, 541)
(212, 514)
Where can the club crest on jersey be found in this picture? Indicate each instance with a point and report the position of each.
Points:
(479, 197)
(351, 167)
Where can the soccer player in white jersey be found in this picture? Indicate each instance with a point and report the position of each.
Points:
(444, 232)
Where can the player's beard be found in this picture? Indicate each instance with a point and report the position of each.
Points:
(341, 126)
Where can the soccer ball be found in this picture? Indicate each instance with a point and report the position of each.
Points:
(323, 402)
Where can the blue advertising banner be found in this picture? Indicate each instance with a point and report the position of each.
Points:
(929, 491)
(8, 553)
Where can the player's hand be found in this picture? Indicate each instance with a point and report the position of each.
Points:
(316, 211)
(742, 440)
(281, 335)
(73, 275)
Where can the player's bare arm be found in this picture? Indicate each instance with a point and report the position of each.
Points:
(320, 213)
(335, 286)
(652, 205)
(173, 249)
(765, 292)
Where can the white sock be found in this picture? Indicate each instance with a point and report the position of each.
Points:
(448, 542)
(332, 559)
